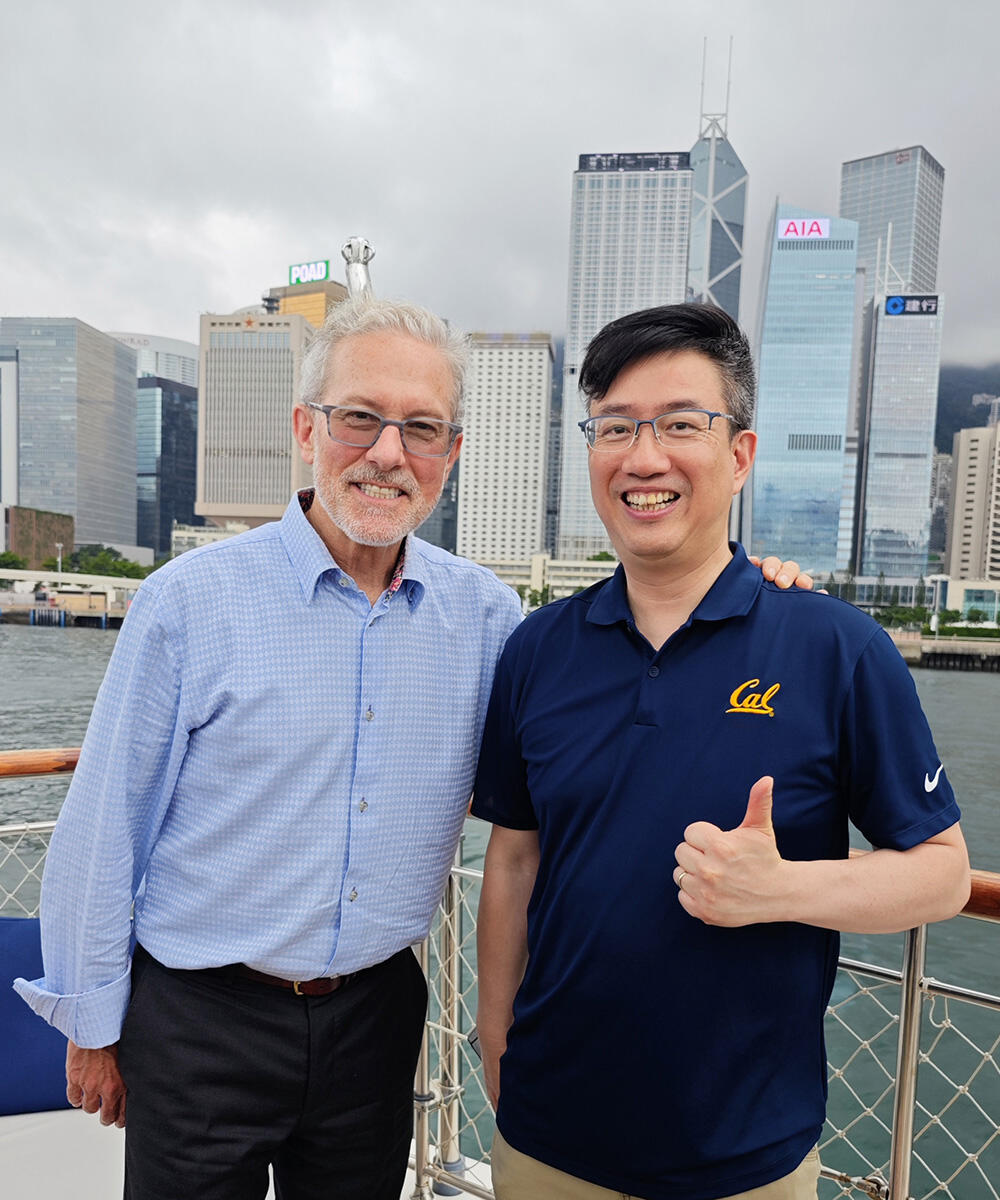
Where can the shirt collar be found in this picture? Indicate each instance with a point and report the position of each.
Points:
(732, 595)
(311, 559)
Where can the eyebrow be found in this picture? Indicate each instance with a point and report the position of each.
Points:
(626, 410)
(372, 406)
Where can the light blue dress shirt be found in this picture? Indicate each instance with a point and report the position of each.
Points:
(276, 771)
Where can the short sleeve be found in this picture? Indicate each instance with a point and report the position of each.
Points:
(899, 794)
(501, 792)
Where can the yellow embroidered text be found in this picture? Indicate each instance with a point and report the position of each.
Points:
(743, 701)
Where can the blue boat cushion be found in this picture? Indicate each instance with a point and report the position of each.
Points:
(32, 1054)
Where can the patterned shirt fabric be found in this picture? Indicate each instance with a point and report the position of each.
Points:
(276, 771)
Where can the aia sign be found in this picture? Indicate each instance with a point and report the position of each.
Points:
(804, 227)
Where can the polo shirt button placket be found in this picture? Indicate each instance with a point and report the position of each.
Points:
(653, 672)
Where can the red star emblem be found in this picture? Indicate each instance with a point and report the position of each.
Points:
(249, 322)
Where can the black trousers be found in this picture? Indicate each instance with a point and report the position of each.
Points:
(226, 1075)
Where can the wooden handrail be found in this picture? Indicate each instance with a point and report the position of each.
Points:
(38, 762)
(984, 901)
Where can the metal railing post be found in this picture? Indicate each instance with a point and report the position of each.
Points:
(908, 1050)
(422, 1101)
(449, 1115)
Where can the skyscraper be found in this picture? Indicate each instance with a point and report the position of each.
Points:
(718, 212)
(900, 366)
(806, 364)
(630, 226)
(895, 198)
(974, 514)
(501, 490)
(248, 460)
(165, 358)
(9, 449)
(310, 293)
(75, 425)
(166, 435)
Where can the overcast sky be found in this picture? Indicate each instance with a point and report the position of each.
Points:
(163, 160)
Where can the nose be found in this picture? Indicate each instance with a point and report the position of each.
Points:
(646, 456)
(387, 453)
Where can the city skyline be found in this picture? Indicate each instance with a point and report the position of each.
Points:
(130, 209)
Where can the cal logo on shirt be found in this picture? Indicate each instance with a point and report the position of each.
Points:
(743, 700)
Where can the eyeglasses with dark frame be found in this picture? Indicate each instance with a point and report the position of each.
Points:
(427, 437)
(610, 432)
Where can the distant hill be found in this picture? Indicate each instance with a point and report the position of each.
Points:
(955, 391)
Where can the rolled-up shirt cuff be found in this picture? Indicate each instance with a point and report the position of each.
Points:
(91, 1019)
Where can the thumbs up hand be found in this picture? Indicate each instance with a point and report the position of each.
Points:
(736, 876)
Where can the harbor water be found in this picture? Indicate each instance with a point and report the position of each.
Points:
(50, 676)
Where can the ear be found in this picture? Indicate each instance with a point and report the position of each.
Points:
(304, 427)
(744, 450)
(453, 455)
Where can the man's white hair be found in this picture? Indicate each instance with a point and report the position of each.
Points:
(376, 316)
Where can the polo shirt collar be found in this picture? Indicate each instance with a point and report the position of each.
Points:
(732, 595)
(310, 558)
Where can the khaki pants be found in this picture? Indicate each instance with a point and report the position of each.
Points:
(518, 1177)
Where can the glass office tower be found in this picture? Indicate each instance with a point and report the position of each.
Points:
(904, 189)
(76, 425)
(166, 446)
(896, 442)
(629, 232)
(805, 360)
(718, 211)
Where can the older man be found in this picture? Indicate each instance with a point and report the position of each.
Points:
(656, 950)
(275, 776)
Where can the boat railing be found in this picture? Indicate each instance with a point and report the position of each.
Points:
(913, 1062)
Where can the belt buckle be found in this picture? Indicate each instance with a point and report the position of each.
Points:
(296, 988)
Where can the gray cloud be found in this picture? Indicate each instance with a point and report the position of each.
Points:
(167, 160)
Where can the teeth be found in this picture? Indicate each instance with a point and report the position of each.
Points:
(380, 493)
(649, 499)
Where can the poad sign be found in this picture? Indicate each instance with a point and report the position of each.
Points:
(804, 227)
(312, 272)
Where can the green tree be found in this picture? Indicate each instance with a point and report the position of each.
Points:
(601, 556)
(975, 616)
(14, 561)
(98, 560)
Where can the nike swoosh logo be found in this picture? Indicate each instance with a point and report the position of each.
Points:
(931, 784)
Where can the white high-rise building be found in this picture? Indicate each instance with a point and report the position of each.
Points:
(162, 357)
(974, 513)
(502, 484)
(629, 232)
(248, 461)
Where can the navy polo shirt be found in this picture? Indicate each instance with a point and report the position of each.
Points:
(650, 1053)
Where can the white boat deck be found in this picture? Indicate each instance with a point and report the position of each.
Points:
(69, 1154)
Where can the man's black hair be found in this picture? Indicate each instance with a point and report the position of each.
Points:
(671, 327)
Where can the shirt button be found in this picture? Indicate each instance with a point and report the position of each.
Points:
(343, 581)
(653, 672)
(363, 805)
(354, 895)
(369, 713)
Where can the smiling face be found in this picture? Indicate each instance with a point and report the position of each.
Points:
(669, 502)
(376, 496)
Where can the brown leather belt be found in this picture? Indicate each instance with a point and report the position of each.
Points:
(301, 987)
